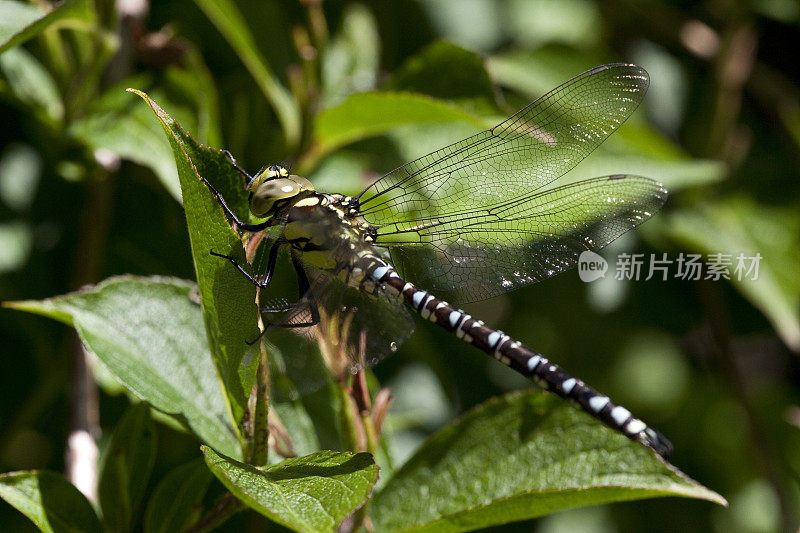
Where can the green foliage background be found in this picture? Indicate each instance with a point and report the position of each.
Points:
(88, 189)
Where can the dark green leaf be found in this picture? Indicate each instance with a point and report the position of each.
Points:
(126, 468)
(149, 333)
(228, 299)
(50, 501)
(738, 226)
(518, 457)
(32, 85)
(231, 23)
(20, 22)
(351, 61)
(308, 494)
(176, 500)
(444, 70)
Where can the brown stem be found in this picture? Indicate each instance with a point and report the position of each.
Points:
(85, 412)
(261, 421)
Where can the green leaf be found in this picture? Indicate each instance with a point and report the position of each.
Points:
(126, 468)
(20, 22)
(478, 27)
(228, 299)
(351, 60)
(225, 15)
(149, 333)
(444, 70)
(534, 72)
(531, 23)
(50, 501)
(131, 133)
(675, 174)
(32, 85)
(737, 225)
(311, 493)
(517, 457)
(177, 498)
(17, 242)
(369, 114)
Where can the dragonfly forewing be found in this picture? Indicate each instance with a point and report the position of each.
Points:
(522, 154)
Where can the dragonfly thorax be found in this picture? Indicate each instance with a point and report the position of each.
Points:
(321, 227)
(273, 188)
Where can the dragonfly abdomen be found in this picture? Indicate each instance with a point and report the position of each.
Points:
(519, 357)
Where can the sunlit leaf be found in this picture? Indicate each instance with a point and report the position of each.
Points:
(518, 457)
(20, 21)
(308, 494)
(227, 298)
(533, 23)
(369, 114)
(149, 333)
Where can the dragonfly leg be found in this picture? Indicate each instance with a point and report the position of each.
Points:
(272, 260)
(239, 223)
(306, 298)
(237, 167)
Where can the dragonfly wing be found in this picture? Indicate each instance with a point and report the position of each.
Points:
(379, 315)
(345, 310)
(522, 241)
(530, 149)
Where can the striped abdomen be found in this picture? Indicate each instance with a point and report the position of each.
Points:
(521, 358)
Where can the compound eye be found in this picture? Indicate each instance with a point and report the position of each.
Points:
(266, 194)
(302, 182)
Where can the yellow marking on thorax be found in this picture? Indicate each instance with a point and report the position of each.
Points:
(307, 202)
(293, 231)
(320, 259)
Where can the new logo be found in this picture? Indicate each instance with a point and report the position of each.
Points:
(591, 266)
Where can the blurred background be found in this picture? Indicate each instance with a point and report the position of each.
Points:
(88, 190)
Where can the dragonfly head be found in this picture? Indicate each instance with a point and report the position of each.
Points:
(271, 186)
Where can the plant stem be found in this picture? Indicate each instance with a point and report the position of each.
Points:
(353, 436)
(85, 411)
(261, 418)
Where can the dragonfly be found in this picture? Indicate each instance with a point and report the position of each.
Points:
(467, 222)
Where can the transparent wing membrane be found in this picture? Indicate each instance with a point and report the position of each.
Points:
(524, 241)
(337, 313)
(530, 149)
(471, 220)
